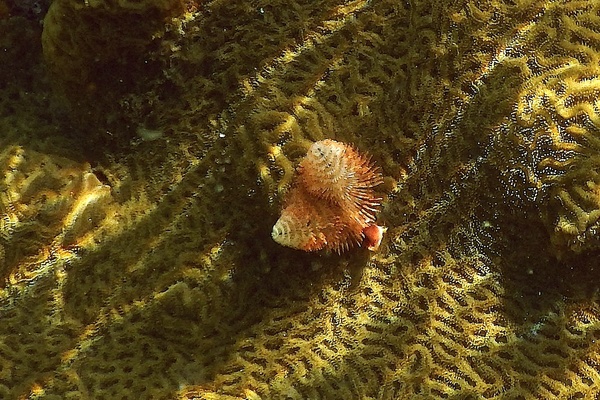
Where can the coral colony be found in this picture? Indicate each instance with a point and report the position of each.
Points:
(332, 203)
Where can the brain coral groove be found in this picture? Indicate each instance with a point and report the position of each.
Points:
(481, 114)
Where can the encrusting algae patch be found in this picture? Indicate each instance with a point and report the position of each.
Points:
(145, 269)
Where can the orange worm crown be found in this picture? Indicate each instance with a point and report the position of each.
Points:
(332, 200)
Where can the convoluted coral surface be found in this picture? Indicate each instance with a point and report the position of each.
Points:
(136, 255)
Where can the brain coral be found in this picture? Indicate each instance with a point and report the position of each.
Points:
(146, 269)
(97, 52)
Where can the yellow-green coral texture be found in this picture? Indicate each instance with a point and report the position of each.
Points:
(144, 269)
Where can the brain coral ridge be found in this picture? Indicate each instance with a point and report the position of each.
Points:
(149, 273)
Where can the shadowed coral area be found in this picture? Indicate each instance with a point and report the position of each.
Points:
(136, 257)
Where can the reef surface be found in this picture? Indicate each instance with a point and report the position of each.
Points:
(146, 147)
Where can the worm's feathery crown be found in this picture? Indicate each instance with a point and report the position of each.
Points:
(332, 200)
